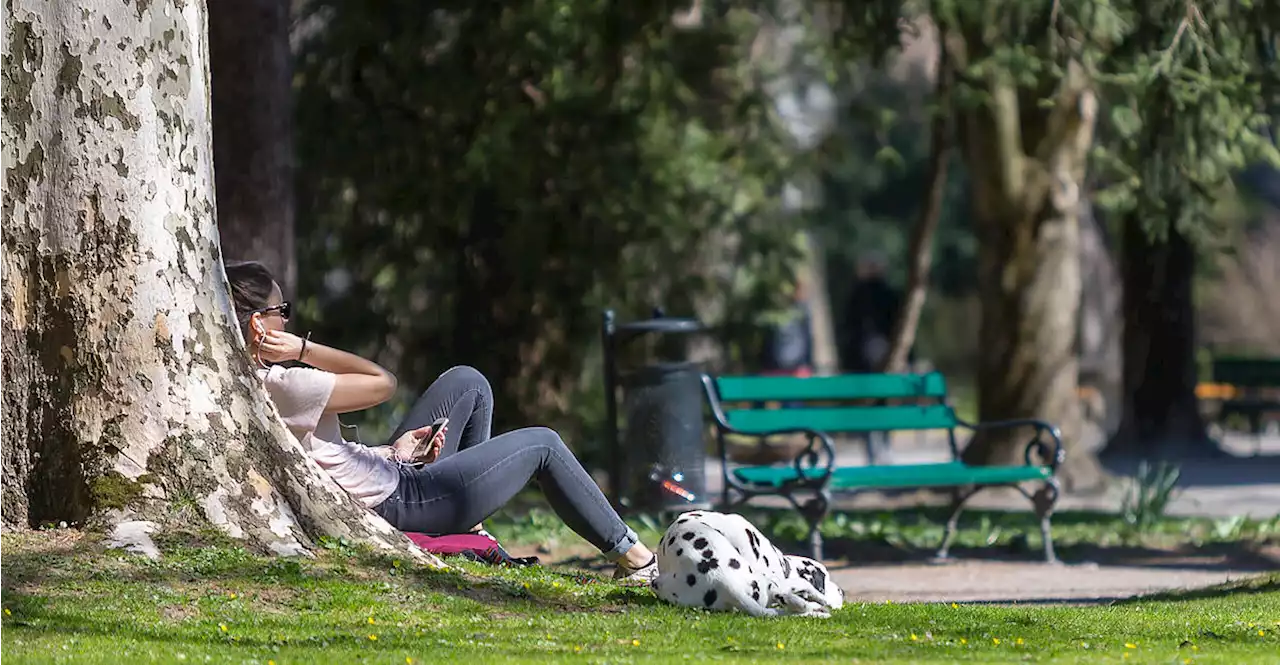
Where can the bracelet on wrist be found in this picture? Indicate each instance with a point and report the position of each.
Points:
(303, 350)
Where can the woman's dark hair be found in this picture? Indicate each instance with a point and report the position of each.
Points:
(251, 285)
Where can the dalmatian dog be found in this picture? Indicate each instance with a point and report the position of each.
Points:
(721, 562)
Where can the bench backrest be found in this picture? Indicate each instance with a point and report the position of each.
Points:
(1247, 372)
(916, 401)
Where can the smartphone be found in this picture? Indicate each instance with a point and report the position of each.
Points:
(435, 427)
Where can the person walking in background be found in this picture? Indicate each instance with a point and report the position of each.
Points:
(788, 349)
(867, 331)
(869, 316)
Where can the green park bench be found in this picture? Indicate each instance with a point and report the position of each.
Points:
(817, 407)
(1254, 388)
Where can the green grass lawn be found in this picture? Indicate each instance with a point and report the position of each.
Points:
(67, 600)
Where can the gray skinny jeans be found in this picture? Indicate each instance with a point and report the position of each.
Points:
(476, 475)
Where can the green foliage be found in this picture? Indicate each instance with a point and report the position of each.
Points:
(1149, 495)
(478, 180)
(1189, 88)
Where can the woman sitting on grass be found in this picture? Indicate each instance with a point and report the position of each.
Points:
(467, 476)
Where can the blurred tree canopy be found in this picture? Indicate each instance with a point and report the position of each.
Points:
(481, 178)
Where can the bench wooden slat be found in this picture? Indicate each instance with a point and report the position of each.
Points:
(844, 387)
(844, 419)
(945, 474)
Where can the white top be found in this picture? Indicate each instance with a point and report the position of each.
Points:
(300, 394)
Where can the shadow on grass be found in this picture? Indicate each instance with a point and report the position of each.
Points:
(213, 561)
(1268, 583)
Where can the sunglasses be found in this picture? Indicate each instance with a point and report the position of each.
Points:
(285, 309)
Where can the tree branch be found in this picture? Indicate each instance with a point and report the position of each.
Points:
(920, 251)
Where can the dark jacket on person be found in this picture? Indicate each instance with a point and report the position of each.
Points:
(867, 331)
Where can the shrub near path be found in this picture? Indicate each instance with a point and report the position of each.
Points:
(66, 599)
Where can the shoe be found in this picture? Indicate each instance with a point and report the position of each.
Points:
(645, 574)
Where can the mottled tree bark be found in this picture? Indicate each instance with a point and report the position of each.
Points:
(1027, 164)
(252, 124)
(127, 390)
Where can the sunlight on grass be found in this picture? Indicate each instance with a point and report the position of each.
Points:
(211, 602)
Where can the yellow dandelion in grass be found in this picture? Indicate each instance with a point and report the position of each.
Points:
(955, 606)
(371, 622)
(1019, 641)
(7, 612)
(963, 641)
(577, 649)
(914, 638)
(222, 627)
(635, 643)
(995, 641)
(231, 595)
(1126, 654)
(1262, 633)
(1130, 645)
(271, 662)
(373, 638)
(555, 584)
(780, 645)
(1186, 661)
(407, 660)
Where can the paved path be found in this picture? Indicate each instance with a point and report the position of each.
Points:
(1007, 582)
(1242, 485)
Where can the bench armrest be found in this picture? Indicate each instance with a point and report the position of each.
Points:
(1052, 456)
(820, 445)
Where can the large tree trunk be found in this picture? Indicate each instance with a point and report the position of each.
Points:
(252, 132)
(1027, 167)
(127, 391)
(1161, 417)
(1100, 326)
(920, 249)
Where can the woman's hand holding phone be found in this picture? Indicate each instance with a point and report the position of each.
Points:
(421, 445)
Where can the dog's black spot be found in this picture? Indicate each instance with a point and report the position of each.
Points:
(786, 567)
(688, 535)
(710, 598)
(755, 542)
(700, 543)
(680, 552)
(755, 595)
(814, 576)
(734, 564)
(706, 554)
(766, 560)
(691, 579)
(707, 565)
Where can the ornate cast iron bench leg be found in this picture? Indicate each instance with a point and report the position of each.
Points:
(1043, 501)
(958, 499)
(814, 511)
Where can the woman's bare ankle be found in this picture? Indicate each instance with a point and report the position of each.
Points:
(637, 557)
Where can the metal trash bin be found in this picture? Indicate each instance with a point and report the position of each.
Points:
(659, 460)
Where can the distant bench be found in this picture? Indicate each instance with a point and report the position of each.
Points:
(1247, 387)
(820, 406)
